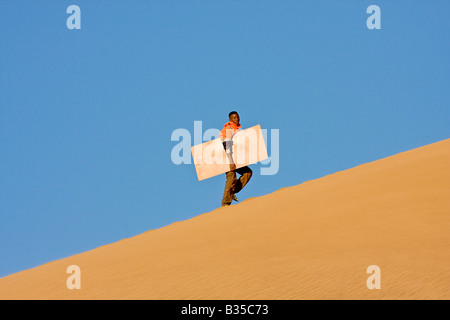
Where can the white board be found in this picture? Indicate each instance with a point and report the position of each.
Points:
(248, 148)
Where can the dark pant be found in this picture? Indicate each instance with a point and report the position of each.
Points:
(234, 185)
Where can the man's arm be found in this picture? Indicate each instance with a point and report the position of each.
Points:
(228, 146)
(227, 135)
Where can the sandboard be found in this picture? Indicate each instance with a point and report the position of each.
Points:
(248, 148)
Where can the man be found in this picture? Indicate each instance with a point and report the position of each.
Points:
(233, 185)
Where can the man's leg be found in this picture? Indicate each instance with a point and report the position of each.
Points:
(246, 174)
(229, 186)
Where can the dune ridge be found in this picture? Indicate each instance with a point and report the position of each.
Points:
(310, 241)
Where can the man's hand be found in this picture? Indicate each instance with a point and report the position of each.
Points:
(232, 167)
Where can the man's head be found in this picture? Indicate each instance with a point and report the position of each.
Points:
(233, 116)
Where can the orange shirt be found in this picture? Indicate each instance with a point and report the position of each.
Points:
(228, 131)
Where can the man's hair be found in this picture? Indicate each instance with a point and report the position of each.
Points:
(231, 113)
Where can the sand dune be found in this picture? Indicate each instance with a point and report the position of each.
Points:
(310, 241)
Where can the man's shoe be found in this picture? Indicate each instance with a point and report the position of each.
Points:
(235, 198)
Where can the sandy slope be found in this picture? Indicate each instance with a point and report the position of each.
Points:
(311, 241)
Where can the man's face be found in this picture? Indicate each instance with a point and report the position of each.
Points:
(235, 118)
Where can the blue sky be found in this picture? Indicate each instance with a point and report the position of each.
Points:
(86, 116)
